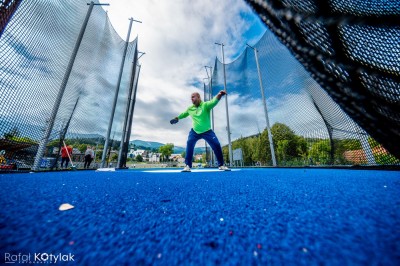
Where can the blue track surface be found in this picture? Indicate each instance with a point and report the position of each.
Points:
(260, 216)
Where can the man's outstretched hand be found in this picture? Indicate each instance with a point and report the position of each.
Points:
(174, 121)
(220, 94)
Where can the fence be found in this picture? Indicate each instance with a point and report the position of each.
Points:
(331, 98)
(307, 126)
(36, 49)
(348, 48)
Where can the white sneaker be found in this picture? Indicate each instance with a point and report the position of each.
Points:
(186, 169)
(223, 168)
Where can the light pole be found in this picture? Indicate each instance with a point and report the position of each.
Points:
(226, 105)
(210, 91)
(124, 145)
(49, 128)
(103, 158)
(271, 144)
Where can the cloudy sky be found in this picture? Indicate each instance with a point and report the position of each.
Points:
(178, 38)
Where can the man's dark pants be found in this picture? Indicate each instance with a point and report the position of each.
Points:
(211, 139)
(66, 160)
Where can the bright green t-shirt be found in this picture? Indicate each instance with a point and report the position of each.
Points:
(200, 115)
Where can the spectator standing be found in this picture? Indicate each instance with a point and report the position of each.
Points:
(66, 152)
(89, 156)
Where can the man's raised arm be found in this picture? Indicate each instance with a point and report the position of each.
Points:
(220, 94)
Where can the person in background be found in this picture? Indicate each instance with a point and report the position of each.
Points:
(89, 155)
(66, 151)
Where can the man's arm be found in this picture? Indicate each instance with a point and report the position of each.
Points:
(220, 94)
(211, 104)
(181, 116)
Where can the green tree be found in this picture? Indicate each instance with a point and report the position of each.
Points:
(114, 157)
(139, 158)
(320, 152)
(262, 148)
(282, 132)
(247, 149)
(99, 154)
(282, 150)
(54, 143)
(204, 158)
(166, 150)
(23, 139)
(302, 147)
(225, 154)
(372, 142)
(253, 142)
(14, 135)
(381, 157)
(343, 145)
(351, 144)
(82, 147)
(69, 142)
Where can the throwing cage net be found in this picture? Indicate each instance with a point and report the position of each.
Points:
(337, 104)
(36, 48)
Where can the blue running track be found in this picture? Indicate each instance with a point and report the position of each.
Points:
(246, 217)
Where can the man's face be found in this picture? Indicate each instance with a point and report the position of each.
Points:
(195, 99)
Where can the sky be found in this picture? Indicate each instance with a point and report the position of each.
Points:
(178, 38)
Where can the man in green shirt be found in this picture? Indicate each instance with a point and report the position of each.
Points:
(200, 113)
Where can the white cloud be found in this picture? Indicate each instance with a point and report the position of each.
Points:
(178, 38)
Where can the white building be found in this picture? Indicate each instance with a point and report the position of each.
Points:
(135, 153)
(154, 157)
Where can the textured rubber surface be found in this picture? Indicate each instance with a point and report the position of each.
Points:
(194, 170)
(263, 216)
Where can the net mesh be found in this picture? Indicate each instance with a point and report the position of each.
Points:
(36, 47)
(308, 127)
(7, 9)
(351, 49)
(335, 102)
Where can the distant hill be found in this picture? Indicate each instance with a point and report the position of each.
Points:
(146, 145)
(149, 145)
(84, 136)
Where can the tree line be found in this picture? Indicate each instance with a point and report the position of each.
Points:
(293, 150)
(290, 149)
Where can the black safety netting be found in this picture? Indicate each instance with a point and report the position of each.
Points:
(339, 100)
(7, 9)
(307, 126)
(35, 51)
